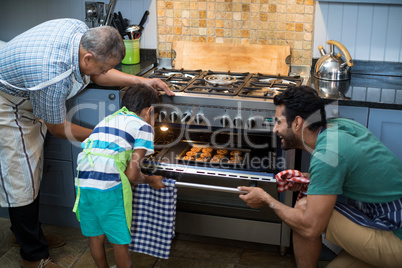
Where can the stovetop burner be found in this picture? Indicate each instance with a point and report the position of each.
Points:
(176, 79)
(267, 86)
(222, 83)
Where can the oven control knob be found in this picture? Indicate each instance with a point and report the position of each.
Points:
(238, 122)
(173, 117)
(199, 118)
(162, 115)
(225, 121)
(186, 117)
(250, 123)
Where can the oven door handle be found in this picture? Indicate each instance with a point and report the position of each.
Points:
(209, 187)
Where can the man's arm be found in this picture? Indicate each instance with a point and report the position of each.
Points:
(308, 221)
(69, 131)
(116, 78)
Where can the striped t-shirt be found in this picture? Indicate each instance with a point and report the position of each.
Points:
(123, 132)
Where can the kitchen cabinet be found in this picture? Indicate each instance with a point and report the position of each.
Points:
(57, 192)
(358, 114)
(386, 125)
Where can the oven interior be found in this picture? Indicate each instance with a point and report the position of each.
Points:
(258, 161)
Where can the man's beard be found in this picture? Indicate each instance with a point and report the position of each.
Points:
(290, 141)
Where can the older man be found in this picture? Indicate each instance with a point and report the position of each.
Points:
(39, 70)
(347, 159)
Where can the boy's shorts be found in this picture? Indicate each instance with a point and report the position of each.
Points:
(102, 212)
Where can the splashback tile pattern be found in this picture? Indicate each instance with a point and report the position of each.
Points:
(269, 22)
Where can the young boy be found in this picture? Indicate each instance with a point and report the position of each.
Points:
(109, 163)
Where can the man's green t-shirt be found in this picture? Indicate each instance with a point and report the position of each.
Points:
(349, 160)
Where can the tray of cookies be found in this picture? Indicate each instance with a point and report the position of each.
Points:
(207, 154)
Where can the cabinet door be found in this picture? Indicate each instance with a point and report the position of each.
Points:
(56, 148)
(57, 186)
(358, 114)
(90, 106)
(387, 126)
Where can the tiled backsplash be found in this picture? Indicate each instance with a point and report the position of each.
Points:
(270, 22)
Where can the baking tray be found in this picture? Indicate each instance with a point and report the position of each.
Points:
(225, 160)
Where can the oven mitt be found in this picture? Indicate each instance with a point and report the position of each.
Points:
(286, 179)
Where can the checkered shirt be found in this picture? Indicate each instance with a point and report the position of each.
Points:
(37, 56)
(154, 215)
(287, 178)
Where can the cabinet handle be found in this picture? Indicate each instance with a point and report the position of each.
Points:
(112, 96)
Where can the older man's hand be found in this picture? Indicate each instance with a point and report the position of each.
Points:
(156, 84)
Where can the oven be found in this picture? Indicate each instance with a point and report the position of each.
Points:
(217, 134)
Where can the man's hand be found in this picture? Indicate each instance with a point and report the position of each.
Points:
(156, 83)
(255, 196)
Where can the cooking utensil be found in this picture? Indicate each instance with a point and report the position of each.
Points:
(135, 31)
(333, 67)
(122, 20)
(117, 23)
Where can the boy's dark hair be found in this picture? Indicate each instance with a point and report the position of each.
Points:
(303, 101)
(138, 97)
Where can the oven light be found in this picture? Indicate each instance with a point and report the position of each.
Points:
(163, 128)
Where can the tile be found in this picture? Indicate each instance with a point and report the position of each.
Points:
(204, 252)
(86, 261)
(11, 259)
(256, 258)
(186, 263)
(5, 236)
(140, 260)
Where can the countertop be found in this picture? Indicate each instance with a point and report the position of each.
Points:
(373, 91)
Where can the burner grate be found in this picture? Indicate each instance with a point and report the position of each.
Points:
(267, 86)
(219, 83)
(176, 79)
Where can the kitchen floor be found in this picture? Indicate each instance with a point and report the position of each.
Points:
(185, 252)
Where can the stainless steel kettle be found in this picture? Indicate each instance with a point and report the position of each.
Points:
(332, 67)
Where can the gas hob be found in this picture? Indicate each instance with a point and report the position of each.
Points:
(226, 83)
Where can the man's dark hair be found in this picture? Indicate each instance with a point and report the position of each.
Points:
(303, 101)
(139, 97)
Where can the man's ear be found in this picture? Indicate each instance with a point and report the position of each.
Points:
(88, 57)
(297, 124)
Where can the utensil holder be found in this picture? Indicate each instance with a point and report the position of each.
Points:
(132, 51)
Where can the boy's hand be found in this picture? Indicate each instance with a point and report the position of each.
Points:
(156, 182)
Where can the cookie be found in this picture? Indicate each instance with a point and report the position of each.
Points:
(236, 157)
(191, 153)
(206, 155)
(191, 158)
(218, 156)
(195, 149)
(235, 153)
(215, 160)
(222, 151)
(202, 159)
(207, 150)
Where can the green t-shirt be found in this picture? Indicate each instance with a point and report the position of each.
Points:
(349, 160)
